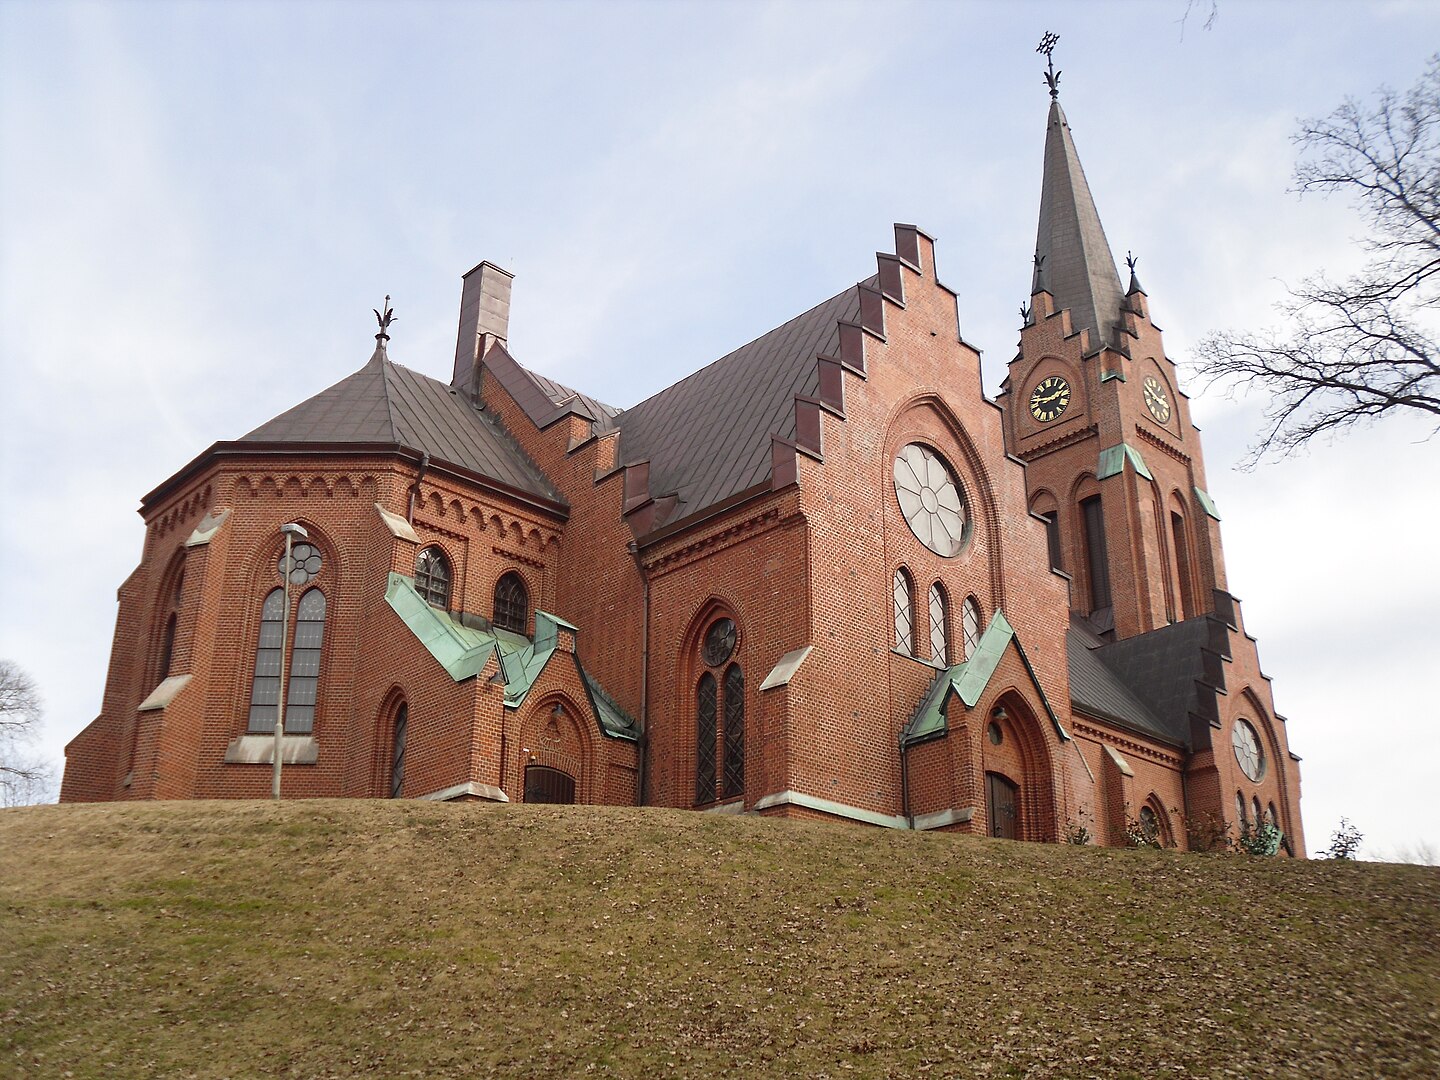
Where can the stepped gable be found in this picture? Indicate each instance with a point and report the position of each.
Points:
(709, 437)
(384, 404)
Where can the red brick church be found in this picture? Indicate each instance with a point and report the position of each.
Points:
(824, 576)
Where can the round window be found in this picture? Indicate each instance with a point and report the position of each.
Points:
(719, 642)
(930, 500)
(1248, 751)
(304, 564)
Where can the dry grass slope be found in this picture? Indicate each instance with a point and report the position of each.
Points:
(335, 939)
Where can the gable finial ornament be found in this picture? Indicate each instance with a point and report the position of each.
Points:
(1024, 314)
(1052, 77)
(1130, 261)
(384, 321)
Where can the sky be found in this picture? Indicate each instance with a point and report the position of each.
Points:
(200, 204)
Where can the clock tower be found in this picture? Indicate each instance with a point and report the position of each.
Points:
(1113, 466)
(1093, 407)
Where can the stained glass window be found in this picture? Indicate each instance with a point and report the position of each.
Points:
(929, 499)
(304, 564)
(265, 689)
(432, 577)
(970, 618)
(719, 642)
(305, 664)
(512, 603)
(939, 647)
(705, 739)
(904, 613)
(734, 732)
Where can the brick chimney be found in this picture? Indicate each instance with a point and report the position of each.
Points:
(484, 318)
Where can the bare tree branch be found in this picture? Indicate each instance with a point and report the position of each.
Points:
(24, 778)
(1354, 350)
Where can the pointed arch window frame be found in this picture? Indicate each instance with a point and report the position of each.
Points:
(904, 612)
(511, 607)
(303, 671)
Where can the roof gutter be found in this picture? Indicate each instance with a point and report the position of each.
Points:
(415, 487)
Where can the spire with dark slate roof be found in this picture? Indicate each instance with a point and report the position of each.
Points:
(1079, 270)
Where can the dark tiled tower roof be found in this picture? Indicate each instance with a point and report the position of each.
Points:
(386, 404)
(1074, 261)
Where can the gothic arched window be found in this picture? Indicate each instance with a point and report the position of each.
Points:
(705, 706)
(734, 781)
(939, 616)
(397, 750)
(512, 603)
(305, 664)
(904, 613)
(265, 689)
(970, 625)
(432, 577)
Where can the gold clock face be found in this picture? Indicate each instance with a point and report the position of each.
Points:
(1049, 399)
(1155, 399)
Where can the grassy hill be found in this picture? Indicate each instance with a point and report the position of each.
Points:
(331, 939)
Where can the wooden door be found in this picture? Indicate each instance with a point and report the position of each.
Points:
(1002, 800)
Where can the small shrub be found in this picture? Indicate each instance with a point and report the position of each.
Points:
(1208, 832)
(1259, 837)
(1344, 842)
(1076, 832)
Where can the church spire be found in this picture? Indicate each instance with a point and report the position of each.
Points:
(1070, 244)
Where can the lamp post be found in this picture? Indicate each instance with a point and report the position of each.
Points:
(290, 530)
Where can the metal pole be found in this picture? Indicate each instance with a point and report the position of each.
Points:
(284, 648)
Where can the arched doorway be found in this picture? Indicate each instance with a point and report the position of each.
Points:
(1019, 789)
(546, 785)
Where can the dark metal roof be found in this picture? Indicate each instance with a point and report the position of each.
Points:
(604, 416)
(1097, 690)
(1167, 669)
(384, 403)
(1075, 265)
(708, 436)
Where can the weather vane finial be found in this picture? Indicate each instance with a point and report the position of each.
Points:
(384, 321)
(1052, 77)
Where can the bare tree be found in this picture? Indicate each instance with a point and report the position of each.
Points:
(24, 777)
(1356, 349)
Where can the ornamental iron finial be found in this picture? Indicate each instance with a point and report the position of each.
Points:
(1052, 77)
(384, 321)
(1024, 314)
(1130, 261)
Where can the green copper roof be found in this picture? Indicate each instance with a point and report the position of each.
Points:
(1106, 376)
(1113, 458)
(464, 650)
(614, 721)
(967, 681)
(461, 650)
(1207, 504)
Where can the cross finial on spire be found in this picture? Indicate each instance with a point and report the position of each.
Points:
(1052, 77)
(384, 321)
